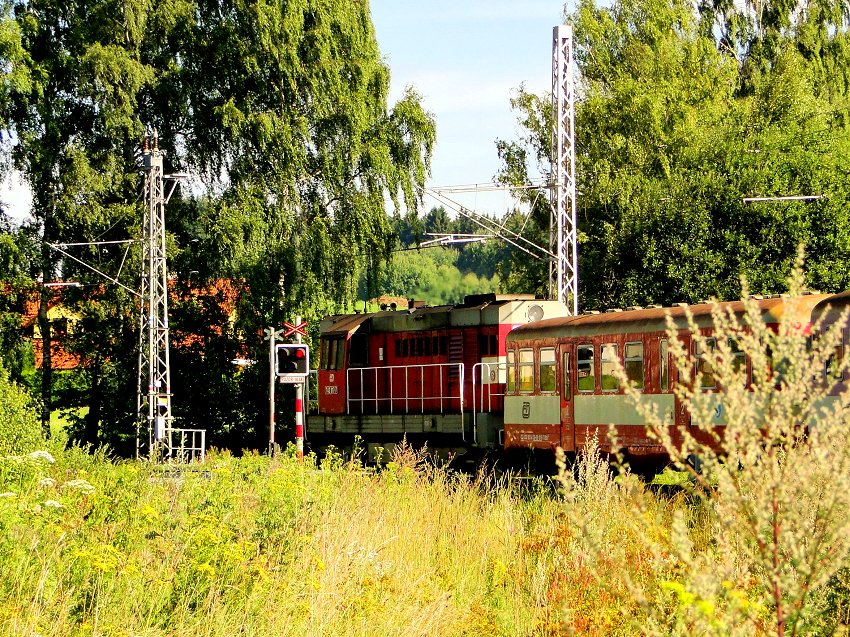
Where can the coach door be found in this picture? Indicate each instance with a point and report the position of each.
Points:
(567, 379)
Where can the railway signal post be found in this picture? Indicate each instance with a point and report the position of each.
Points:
(289, 363)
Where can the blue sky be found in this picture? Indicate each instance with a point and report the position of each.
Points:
(465, 57)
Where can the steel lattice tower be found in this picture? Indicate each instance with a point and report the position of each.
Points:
(563, 269)
(154, 401)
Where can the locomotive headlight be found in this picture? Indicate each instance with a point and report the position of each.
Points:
(534, 313)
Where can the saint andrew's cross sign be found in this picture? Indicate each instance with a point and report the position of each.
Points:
(295, 329)
(288, 329)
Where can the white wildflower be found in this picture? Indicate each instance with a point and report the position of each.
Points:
(53, 504)
(46, 483)
(80, 485)
(42, 455)
(9, 494)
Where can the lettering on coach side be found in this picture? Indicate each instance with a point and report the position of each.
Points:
(526, 409)
(533, 437)
(331, 390)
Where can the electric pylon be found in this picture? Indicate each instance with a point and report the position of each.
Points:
(154, 400)
(563, 240)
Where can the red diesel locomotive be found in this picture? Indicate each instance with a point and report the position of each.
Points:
(432, 375)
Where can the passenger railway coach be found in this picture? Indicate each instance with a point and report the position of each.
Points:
(435, 375)
(561, 388)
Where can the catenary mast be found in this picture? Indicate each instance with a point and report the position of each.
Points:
(563, 240)
(154, 399)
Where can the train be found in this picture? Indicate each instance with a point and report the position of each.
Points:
(431, 375)
(504, 374)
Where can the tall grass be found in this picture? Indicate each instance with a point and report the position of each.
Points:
(266, 547)
(253, 546)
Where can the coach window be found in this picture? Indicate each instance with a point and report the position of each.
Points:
(404, 347)
(607, 365)
(634, 363)
(739, 358)
(664, 365)
(510, 386)
(526, 371)
(704, 352)
(586, 369)
(547, 370)
(565, 368)
(834, 363)
(398, 348)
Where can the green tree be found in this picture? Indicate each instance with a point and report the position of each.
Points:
(296, 135)
(20, 430)
(17, 251)
(75, 121)
(281, 107)
(676, 124)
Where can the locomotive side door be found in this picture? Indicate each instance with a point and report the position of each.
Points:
(566, 384)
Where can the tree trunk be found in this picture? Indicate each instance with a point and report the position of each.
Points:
(92, 419)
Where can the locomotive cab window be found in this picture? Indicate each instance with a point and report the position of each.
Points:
(358, 350)
(704, 353)
(510, 381)
(332, 351)
(607, 365)
(547, 370)
(323, 353)
(526, 371)
(634, 363)
(586, 369)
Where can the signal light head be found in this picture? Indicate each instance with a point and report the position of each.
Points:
(293, 359)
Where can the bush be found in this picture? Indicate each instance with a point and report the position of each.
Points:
(20, 428)
(773, 476)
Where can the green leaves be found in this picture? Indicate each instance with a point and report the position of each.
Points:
(677, 123)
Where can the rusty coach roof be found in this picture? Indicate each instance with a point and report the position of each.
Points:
(655, 318)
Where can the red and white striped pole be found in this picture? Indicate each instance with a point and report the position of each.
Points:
(272, 381)
(299, 407)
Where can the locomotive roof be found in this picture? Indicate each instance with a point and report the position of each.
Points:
(654, 319)
(430, 317)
